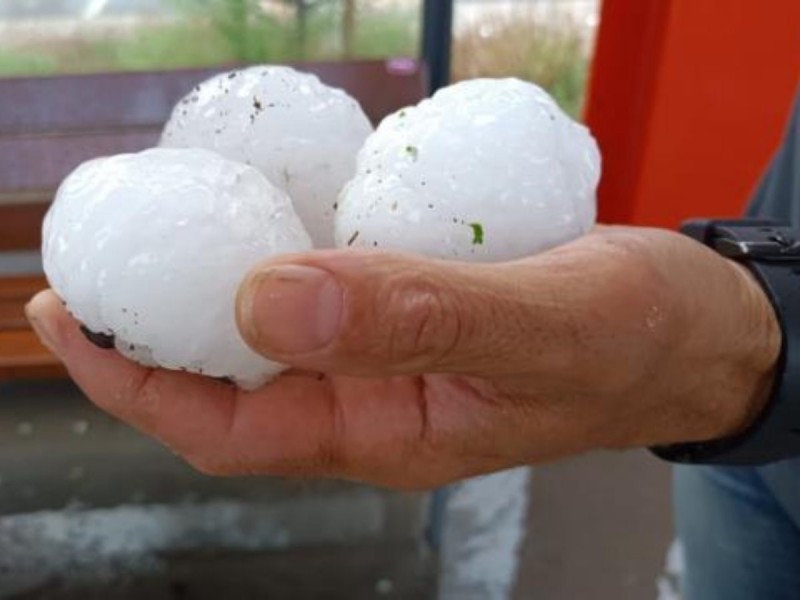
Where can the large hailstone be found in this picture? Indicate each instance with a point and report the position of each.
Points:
(485, 170)
(147, 250)
(303, 135)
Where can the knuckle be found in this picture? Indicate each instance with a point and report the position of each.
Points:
(324, 455)
(139, 400)
(329, 456)
(423, 321)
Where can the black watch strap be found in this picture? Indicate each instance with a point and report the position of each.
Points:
(771, 251)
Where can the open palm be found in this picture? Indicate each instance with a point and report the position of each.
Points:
(436, 370)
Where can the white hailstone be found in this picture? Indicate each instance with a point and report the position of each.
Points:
(147, 251)
(303, 135)
(485, 170)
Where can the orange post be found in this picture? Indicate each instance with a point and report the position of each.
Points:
(689, 99)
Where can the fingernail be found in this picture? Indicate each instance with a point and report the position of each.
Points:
(44, 328)
(294, 309)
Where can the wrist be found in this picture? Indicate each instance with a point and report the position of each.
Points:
(762, 423)
(758, 347)
(725, 375)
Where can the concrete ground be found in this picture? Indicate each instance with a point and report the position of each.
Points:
(598, 526)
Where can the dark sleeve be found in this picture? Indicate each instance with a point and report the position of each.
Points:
(778, 196)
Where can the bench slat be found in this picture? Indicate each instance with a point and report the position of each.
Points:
(20, 226)
(12, 315)
(38, 163)
(69, 103)
(21, 286)
(23, 355)
(14, 294)
(123, 100)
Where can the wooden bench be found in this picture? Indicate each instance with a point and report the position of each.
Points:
(48, 126)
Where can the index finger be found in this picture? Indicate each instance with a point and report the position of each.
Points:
(215, 426)
(401, 432)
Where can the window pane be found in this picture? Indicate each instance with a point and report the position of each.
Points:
(82, 36)
(545, 41)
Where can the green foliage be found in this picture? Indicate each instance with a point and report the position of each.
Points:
(222, 32)
(548, 51)
(569, 89)
(387, 33)
(247, 32)
(167, 47)
(23, 63)
(217, 32)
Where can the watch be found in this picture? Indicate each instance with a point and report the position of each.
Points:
(770, 250)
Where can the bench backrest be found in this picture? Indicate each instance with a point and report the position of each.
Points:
(50, 125)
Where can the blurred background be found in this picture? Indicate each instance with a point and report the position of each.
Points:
(548, 41)
(598, 527)
(688, 99)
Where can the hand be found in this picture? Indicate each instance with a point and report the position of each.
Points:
(436, 370)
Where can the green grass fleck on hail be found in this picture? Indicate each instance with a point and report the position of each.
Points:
(477, 233)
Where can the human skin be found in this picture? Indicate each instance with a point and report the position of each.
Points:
(411, 373)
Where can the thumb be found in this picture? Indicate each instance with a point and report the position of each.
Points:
(378, 314)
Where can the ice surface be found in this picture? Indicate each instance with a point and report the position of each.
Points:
(152, 247)
(486, 170)
(300, 133)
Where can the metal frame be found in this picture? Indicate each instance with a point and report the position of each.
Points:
(437, 37)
